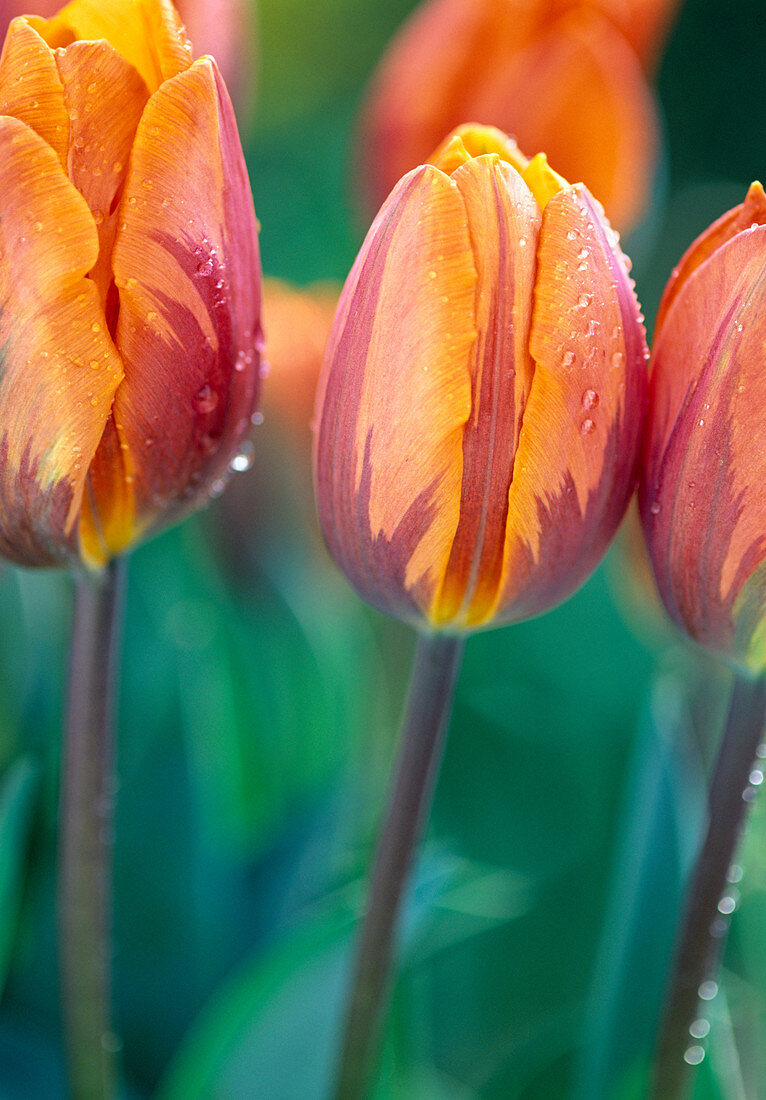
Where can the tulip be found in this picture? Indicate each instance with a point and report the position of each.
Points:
(702, 500)
(570, 78)
(480, 406)
(129, 281)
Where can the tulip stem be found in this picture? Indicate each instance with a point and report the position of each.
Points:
(432, 687)
(703, 930)
(87, 795)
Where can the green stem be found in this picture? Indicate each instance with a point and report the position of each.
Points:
(698, 948)
(432, 686)
(87, 796)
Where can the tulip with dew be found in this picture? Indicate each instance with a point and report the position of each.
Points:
(478, 425)
(129, 369)
(704, 516)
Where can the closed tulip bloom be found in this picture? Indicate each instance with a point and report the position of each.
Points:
(702, 497)
(567, 77)
(129, 281)
(480, 405)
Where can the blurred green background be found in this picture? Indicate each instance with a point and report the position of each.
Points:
(259, 707)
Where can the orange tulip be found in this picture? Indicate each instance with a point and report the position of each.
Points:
(129, 281)
(559, 75)
(480, 405)
(702, 498)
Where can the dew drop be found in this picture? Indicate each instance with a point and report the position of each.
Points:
(205, 267)
(708, 990)
(587, 427)
(749, 793)
(205, 399)
(568, 359)
(655, 508)
(94, 363)
(700, 1028)
(735, 873)
(571, 235)
(584, 300)
(256, 418)
(522, 242)
(694, 1055)
(589, 399)
(618, 359)
(583, 254)
(727, 905)
(217, 488)
(756, 777)
(244, 459)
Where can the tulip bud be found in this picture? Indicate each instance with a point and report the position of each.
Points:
(480, 405)
(129, 281)
(702, 500)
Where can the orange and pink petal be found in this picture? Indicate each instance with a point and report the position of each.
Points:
(705, 457)
(60, 369)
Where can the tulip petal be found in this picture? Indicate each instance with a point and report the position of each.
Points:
(395, 395)
(58, 367)
(575, 466)
(702, 498)
(31, 88)
(504, 222)
(188, 325)
(104, 97)
(147, 33)
(751, 212)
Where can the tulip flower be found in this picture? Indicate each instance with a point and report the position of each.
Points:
(570, 78)
(480, 406)
(702, 499)
(129, 281)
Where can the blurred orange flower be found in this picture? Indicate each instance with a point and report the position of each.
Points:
(702, 499)
(481, 400)
(129, 281)
(297, 322)
(567, 76)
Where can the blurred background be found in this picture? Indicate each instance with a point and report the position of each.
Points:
(260, 701)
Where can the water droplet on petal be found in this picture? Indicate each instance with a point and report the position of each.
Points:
(587, 427)
(694, 1055)
(256, 418)
(589, 399)
(708, 990)
(205, 399)
(618, 359)
(568, 359)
